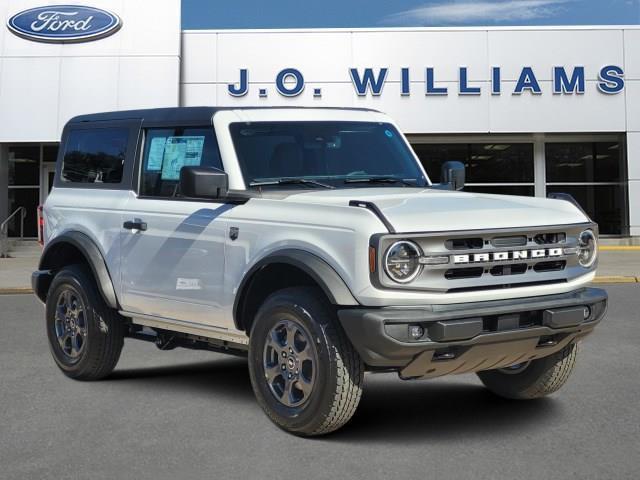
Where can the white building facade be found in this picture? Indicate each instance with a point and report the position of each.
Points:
(528, 110)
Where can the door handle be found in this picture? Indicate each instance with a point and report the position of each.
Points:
(135, 224)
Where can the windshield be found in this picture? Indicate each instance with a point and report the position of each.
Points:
(324, 155)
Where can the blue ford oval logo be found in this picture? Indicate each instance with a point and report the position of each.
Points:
(64, 23)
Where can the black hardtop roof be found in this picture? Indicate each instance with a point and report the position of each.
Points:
(191, 115)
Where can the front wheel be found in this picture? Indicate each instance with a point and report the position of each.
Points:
(304, 371)
(533, 379)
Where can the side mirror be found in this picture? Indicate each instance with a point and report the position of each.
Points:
(203, 182)
(452, 175)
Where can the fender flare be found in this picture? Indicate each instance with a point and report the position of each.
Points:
(319, 270)
(94, 258)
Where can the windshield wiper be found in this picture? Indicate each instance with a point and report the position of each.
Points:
(381, 179)
(290, 181)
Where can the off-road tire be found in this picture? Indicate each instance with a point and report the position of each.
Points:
(104, 326)
(340, 370)
(540, 378)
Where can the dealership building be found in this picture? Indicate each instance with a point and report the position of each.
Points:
(529, 110)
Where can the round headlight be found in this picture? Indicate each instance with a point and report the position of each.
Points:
(587, 248)
(402, 261)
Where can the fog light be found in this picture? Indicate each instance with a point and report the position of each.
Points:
(586, 312)
(416, 332)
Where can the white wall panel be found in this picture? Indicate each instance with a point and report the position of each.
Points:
(111, 45)
(147, 82)
(633, 159)
(445, 51)
(333, 95)
(634, 210)
(591, 112)
(149, 27)
(632, 74)
(4, 15)
(321, 57)
(632, 54)
(83, 78)
(16, 46)
(198, 94)
(633, 156)
(199, 60)
(633, 105)
(544, 49)
(29, 99)
(264, 53)
(152, 27)
(419, 113)
(42, 84)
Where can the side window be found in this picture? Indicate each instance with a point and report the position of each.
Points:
(95, 155)
(167, 150)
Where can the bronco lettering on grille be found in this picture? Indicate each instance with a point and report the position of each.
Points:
(509, 255)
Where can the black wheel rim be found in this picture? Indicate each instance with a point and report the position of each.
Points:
(70, 324)
(290, 362)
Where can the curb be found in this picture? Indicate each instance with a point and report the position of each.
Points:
(619, 248)
(15, 290)
(616, 279)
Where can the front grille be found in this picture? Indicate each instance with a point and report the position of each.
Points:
(550, 266)
(464, 243)
(492, 256)
(517, 269)
(492, 259)
(517, 241)
(459, 273)
(549, 238)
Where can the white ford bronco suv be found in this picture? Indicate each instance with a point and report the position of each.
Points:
(312, 241)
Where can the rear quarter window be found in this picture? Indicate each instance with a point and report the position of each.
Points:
(95, 156)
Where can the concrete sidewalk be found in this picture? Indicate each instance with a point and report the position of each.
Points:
(15, 274)
(617, 265)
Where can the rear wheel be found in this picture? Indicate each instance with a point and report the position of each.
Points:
(304, 371)
(533, 379)
(85, 335)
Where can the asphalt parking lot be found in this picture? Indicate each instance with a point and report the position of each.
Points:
(185, 414)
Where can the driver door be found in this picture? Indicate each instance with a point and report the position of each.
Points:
(173, 248)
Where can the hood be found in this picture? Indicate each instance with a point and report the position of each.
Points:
(419, 210)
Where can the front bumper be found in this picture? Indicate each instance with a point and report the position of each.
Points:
(470, 337)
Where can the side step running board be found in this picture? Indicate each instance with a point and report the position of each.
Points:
(239, 341)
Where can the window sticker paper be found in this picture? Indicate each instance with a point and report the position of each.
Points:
(181, 152)
(156, 154)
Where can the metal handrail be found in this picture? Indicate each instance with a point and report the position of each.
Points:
(4, 230)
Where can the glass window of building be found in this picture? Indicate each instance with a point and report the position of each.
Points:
(49, 153)
(24, 187)
(28, 198)
(594, 173)
(49, 157)
(24, 165)
(502, 168)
